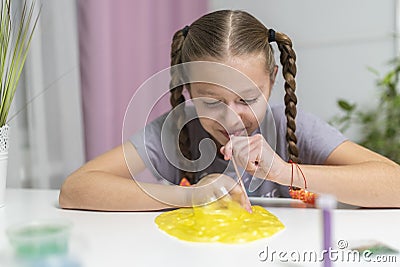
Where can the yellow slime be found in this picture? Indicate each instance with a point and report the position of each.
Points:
(221, 221)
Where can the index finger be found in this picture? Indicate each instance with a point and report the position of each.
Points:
(226, 150)
(239, 196)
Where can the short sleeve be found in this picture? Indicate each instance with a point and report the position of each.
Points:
(316, 139)
(149, 147)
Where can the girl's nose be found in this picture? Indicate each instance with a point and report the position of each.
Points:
(233, 119)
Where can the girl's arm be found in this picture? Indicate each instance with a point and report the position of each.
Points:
(105, 183)
(354, 174)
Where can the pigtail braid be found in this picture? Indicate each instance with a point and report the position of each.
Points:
(178, 98)
(288, 61)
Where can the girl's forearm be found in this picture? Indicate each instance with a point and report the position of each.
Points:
(367, 184)
(96, 190)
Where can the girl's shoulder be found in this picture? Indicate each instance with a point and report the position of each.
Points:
(316, 138)
(303, 118)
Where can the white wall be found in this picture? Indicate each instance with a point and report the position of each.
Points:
(335, 42)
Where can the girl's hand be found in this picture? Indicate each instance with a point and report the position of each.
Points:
(216, 186)
(255, 155)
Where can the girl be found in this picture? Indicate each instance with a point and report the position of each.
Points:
(331, 163)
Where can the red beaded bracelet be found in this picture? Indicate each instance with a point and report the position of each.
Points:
(299, 193)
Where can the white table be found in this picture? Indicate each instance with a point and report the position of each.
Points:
(133, 239)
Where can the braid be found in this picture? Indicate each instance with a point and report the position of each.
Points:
(177, 98)
(288, 61)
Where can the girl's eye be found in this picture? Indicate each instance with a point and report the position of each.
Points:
(212, 104)
(249, 101)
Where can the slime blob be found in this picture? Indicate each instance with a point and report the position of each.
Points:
(221, 221)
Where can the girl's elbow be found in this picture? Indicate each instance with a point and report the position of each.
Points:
(68, 198)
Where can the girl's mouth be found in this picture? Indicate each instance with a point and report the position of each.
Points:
(240, 132)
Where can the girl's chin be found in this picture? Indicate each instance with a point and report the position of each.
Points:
(223, 140)
(223, 136)
(220, 139)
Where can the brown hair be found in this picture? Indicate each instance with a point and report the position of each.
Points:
(225, 33)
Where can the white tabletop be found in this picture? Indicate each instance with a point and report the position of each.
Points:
(133, 239)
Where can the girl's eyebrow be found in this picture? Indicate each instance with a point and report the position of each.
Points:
(207, 91)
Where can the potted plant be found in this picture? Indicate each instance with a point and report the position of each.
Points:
(380, 125)
(15, 38)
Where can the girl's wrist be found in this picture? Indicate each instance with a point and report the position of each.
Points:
(283, 174)
(184, 193)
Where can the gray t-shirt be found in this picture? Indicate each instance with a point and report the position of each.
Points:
(156, 144)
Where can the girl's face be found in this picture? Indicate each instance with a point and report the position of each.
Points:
(238, 110)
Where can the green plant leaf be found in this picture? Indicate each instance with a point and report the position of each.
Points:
(380, 125)
(374, 71)
(346, 106)
(16, 35)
